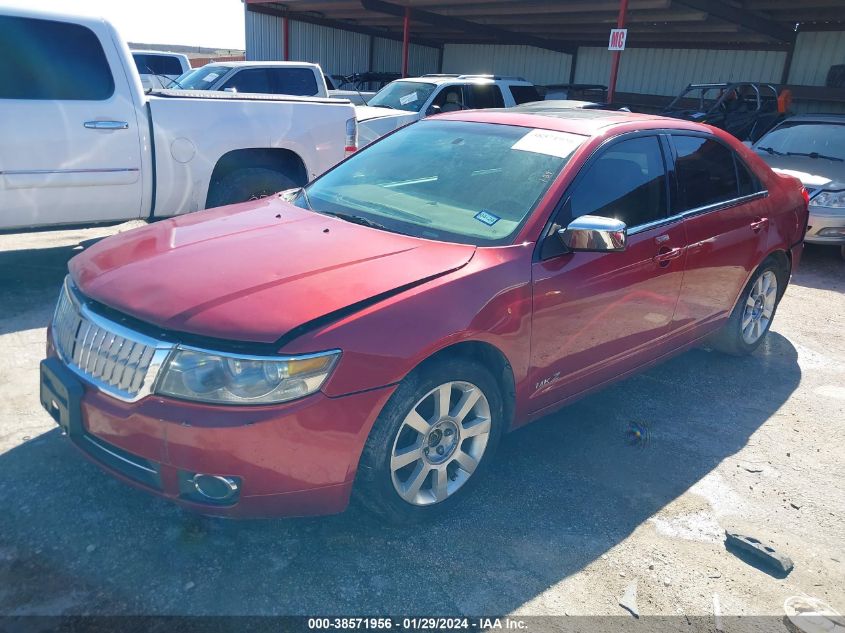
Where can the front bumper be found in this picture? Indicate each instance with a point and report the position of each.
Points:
(831, 221)
(294, 459)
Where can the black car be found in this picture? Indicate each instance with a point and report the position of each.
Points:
(746, 110)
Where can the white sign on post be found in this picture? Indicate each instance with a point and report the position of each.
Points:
(617, 39)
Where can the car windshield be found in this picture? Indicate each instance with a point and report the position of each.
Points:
(403, 95)
(805, 139)
(201, 78)
(473, 183)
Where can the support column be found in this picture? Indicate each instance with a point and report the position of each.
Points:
(406, 40)
(614, 65)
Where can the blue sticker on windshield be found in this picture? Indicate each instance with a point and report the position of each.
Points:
(488, 218)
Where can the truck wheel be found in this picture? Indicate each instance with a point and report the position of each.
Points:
(753, 314)
(432, 441)
(249, 183)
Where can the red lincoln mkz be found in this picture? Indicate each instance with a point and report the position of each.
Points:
(375, 333)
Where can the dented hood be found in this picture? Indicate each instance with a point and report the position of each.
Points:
(255, 271)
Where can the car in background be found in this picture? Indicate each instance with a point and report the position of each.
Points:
(811, 147)
(340, 87)
(298, 79)
(159, 69)
(549, 106)
(382, 327)
(407, 100)
(746, 110)
(574, 92)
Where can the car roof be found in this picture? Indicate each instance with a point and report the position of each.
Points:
(258, 64)
(816, 118)
(159, 53)
(463, 79)
(575, 121)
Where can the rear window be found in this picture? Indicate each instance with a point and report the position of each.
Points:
(43, 59)
(300, 82)
(705, 171)
(524, 94)
(157, 64)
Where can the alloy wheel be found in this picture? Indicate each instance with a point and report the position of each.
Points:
(440, 443)
(759, 307)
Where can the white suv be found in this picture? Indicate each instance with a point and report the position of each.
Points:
(407, 100)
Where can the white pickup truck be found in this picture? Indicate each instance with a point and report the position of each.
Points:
(82, 143)
(158, 69)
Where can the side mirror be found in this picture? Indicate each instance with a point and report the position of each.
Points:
(433, 109)
(595, 234)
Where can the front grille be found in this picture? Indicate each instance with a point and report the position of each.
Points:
(114, 359)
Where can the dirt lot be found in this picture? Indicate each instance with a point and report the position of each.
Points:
(572, 516)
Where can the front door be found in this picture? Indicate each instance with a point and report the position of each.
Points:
(599, 314)
(70, 150)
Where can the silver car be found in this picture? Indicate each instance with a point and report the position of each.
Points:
(811, 147)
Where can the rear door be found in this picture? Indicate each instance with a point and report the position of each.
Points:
(597, 315)
(70, 149)
(725, 211)
(482, 96)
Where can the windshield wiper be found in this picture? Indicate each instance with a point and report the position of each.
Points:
(304, 193)
(816, 155)
(771, 150)
(359, 219)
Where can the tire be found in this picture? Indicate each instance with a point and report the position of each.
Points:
(463, 460)
(754, 312)
(245, 184)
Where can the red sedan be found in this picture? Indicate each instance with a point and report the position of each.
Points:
(373, 335)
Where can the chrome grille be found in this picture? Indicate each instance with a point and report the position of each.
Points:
(108, 355)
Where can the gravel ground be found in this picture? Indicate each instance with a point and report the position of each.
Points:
(572, 516)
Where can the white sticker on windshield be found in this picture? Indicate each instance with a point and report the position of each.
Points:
(408, 98)
(549, 142)
(211, 77)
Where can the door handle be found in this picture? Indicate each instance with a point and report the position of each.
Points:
(759, 224)
(106, 125)
(666, 255)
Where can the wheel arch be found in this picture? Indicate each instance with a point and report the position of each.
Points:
(283, 160)
(492, 358)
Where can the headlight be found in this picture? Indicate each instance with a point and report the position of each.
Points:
(194, 374)
(830, 199)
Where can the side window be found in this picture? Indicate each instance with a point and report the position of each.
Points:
(486, 96)
(43, 59)
(705, 172)
(157, 64)
(748, 183)
(450, 99)
(627, 182)
(524, 94)
(299, 82)
(249, 80)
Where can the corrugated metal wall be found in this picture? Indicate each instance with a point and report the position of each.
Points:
(534, 64)
(387, 57)
(264, 40)
(665, 71)
(337, 51)
(815, 53)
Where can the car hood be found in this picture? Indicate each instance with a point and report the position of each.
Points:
(255, 271)
(814, 173)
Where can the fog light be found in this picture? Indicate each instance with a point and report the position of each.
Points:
(833, 232)
(215, 487)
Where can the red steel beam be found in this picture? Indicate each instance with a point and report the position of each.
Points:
(614, 65)
(406, 40)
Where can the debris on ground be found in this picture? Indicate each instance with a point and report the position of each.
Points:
(629, 600)
(795, 505)
(759, 552)
(805, 614)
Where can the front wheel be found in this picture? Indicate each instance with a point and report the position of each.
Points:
(752, 317)
(434, 438)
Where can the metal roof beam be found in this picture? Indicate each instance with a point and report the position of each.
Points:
(751, 21)
(503, 36)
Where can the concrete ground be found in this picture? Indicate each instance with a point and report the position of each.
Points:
(572, 516)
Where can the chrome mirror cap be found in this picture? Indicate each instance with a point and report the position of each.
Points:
(594, 233)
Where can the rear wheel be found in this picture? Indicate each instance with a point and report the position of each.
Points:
(249, 183)
(752, 316)
(434, 438)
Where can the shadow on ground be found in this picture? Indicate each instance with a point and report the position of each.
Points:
(564, 490)
(821, 267)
